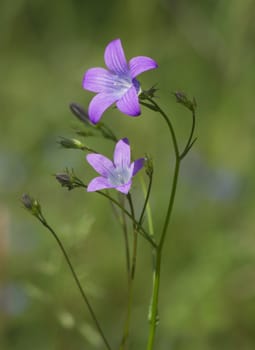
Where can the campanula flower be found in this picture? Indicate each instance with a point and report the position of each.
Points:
(117, 174)
(118, 83)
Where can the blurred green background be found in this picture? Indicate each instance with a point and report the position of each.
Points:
(207, 299)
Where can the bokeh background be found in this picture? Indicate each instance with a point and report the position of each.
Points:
(207, 298)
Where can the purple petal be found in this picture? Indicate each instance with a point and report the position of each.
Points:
(98, 105)
(138, 164)
(100, 163)
(122, 154)
(97, 80)
(98, 183)
(124, 188)
(129, 103)
(141, 64)
(114, 57)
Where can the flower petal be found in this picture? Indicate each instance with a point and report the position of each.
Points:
(100, 163)
(98, 183)
(114, 57)
(138, 164)
(122, 154)
(141, 64)
(124, 188)
(98, 80)
(129, 103)
(98, 105)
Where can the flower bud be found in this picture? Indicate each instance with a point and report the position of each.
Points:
(65, 180)
(182, 99)
(71, 143)
(68, 180)
(80, 113)
(148, 165)
(31, 204)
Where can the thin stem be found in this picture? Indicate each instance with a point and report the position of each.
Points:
(141, 229)
(169, 124)
(84, 297)
(156, 279)
(123, 223)
(135, 239)
(128, 316)
(158, 251)
(126, 240)
(146, 199)
(190, 142)
(148, 210)
(108, 132)
(130, 277)
(171, 204)
(151, 232)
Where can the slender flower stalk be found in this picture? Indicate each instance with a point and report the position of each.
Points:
(142, 231)
(126, 238)
(190, 141)
(158, 258)
(131, 276)
(33, 206)
(134, 257)
(159, 249)
(150, 174)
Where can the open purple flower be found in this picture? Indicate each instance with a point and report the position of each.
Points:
(117, 174)
(118, 83)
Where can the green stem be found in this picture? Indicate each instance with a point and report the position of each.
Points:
(126, 240)
(141, 229)
(156, 279)
(190, 142)
(84, 297)
(148, 211)
(135, 242)
(128, 316)
(169, 124)
(146, 200)
(107, 132)
(130, 277)
(122, 220)
(135, 239)
(159, 249)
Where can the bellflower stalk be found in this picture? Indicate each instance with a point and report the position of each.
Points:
(118, 84)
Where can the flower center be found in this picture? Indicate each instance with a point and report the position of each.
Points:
(122, 82)
(119, 176)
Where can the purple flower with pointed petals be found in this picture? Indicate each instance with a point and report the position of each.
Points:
(118, 83)
(117, 174)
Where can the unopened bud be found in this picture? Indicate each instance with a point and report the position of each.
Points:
(80, 113)
(71, 143)
(68, 180)
(148, 165)
(182, 99)
(65, 180)
(31, 204)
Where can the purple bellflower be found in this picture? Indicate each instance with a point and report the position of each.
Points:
(118, 84)
(117, 174)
